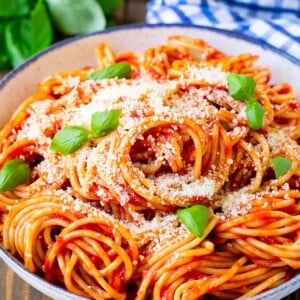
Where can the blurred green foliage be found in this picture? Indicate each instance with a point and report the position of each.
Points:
(29, 26)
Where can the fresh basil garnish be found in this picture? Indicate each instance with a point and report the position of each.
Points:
(255, 114)
(195, 218)
(104, 122)
(118, 70)
(14, 173)
(70, 139)
(281, 165)
(242, 88)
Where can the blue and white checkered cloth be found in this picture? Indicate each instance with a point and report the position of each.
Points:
(275, 22)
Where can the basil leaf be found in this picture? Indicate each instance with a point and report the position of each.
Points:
(104, 122)
(17, 40)
(109, 6)
(74, 17)
(69, 139)
(41, 28)
(255, 114)
(194, 218)
(118, 70)
(281, 165)
(14, 8)
(241, 87)
(14, 173)
(26, 36)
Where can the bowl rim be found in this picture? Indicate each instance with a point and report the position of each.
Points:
(17, 265)
(33, 279)
(59, 44)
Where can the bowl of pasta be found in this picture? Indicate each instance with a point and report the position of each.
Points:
(163, 167)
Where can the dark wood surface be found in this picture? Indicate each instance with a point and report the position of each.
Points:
(11, 286)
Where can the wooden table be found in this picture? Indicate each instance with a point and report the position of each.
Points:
(11, 286)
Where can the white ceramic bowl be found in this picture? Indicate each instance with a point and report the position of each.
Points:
(79, 52)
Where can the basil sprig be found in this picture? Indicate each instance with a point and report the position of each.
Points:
(281, 165)
(71, 138)
(242, 88)
(194, 218)
(118, 70)
(14, 173)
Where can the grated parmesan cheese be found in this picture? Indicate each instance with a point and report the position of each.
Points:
(139, 98)
(210, 75)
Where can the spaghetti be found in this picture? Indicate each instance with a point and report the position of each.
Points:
(102, 221)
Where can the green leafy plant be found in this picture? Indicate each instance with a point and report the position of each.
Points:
(29, 26)
(242, 88)
(78, 16)
(194, 218)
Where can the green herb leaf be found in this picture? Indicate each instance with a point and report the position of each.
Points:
(41, 28)
(74, 17)
(27, 36)
(109, 6)
(17, 41)
(119, 70)
(14, 173)
(241, 87)
(255, 114)
(281, 165)
(194, 218)
(70, 139)
(14, 8)
(104, 122)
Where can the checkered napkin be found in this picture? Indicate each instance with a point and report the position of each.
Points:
(275, 22)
